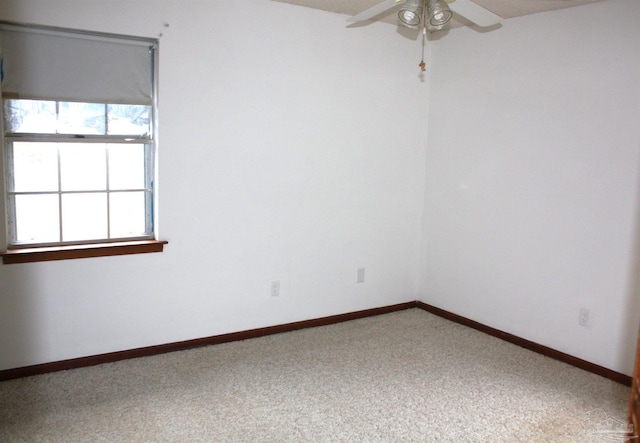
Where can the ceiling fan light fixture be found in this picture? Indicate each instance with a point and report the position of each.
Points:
(411, 13)
(439, 14)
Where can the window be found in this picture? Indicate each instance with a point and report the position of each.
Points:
(78, 172)
(79, 139)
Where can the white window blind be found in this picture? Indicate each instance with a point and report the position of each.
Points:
(45, 64)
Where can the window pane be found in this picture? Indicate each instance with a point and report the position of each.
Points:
(84, 217)
(129, 119)
(37, 218)
(126, 166)
(32, 116)
(83, 166)
(35, 167)
(127, 214)
(81, 118)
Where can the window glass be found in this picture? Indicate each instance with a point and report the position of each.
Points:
(35, 167)
(84, 216)
(126, 166)
(83, 166)
(129, 119)
(37, 218)
(127, 210)
(81, 118)
(30, 116)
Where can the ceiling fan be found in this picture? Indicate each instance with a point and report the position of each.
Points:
(433, 15)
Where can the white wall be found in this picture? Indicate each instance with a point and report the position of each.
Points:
(532, 179)
(291, 149)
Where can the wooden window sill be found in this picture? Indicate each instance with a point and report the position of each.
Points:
(30, 255)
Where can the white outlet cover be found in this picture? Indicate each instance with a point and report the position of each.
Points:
(275, 288)
(583, 318)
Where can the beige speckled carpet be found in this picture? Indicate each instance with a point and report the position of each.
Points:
(405, 376)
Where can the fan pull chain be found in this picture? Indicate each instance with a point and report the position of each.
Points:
(423, 65)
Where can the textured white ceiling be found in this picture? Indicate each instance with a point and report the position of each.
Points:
(503, 8)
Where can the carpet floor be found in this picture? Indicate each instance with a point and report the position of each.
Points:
(405, 376)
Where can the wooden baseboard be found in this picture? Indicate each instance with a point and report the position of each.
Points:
(93, 360)
(111, 357)
(532, 346)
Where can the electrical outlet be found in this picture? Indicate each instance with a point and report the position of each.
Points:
(275, 288)
(583, 318)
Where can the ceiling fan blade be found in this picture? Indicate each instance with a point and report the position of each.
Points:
(475, 13)
(376, 10)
